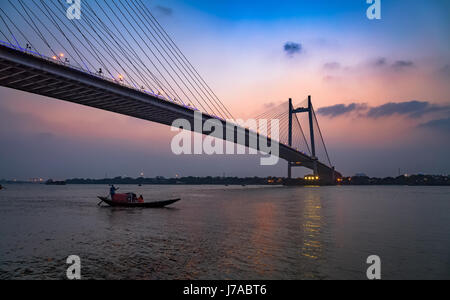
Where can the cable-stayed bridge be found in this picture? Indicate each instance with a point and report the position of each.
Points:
(117, 57)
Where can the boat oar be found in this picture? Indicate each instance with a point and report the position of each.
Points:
(100, 202)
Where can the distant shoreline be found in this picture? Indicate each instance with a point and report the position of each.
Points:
(412, 180)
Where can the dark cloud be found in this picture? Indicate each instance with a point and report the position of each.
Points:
(445, 70)
(402, 64)
(340, 109)
(440, 124)
(269, 105)
(380, 62)
(398, 65)
(292, 48)
(332, 66)
(164, 10)
(412, 109)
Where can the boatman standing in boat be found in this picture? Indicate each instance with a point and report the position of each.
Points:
(112, 191)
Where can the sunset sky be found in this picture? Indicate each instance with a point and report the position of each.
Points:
(380, 88)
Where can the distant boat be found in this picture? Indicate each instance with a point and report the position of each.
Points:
(160, 204)
(52, 182)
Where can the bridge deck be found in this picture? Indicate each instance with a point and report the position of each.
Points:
(38, 75)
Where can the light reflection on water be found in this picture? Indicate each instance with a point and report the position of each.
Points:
(227, 233)
(312, 226)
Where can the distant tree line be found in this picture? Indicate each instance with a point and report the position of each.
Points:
(412, 180)
(184, 180)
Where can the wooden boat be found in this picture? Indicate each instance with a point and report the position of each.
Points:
(159, 204)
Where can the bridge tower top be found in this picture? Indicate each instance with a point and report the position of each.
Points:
(311, 118)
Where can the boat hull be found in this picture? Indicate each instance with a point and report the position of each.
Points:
(159, 204)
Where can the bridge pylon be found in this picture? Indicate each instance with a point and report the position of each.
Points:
(309, 110)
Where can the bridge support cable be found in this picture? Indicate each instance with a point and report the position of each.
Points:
(297, 135)
(170, 92)
(106, 46)
(192, 88)
(56, 23)
(128, 59)
(276, 110)
(1, 31)
(318, 151)
(297, 122)
(321, 137)
(32, 25)
(167, 87)
(298, 139)
(80, 55)
(61, 82)
(267, 123)
(196, 74)
(92, 51)
(133, 23)
(151, 26)
(49, 14)
(159, 58)
(33, 12)
(170, 88)
(9, 29)
(134, 58)
(97, 42)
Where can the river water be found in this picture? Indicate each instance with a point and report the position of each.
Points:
(219, 232)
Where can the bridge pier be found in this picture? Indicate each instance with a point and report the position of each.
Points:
(310, 112)
(291, 108)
